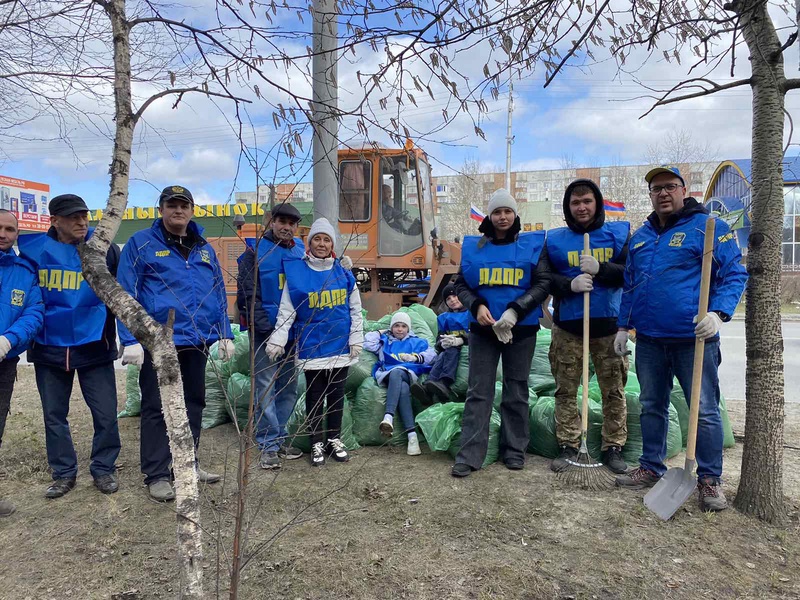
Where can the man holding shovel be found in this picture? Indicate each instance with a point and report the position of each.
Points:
(660, 300)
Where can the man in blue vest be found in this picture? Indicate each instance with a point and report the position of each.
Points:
(170, 266)
(79, 335)
(21, 316)
(599, 273)
(258, 299)
(503, 281)
(660, 300)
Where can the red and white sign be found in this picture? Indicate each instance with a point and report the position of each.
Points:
(28, 201)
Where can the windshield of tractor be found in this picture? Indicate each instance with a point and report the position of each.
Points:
(400, 221)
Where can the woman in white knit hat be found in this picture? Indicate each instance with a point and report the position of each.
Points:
(402, 357)
(321, 301)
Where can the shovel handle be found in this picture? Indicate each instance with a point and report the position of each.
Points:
(586, 302)
(700, 344)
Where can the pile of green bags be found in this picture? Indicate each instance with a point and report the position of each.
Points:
(133, 396)
(441, 425)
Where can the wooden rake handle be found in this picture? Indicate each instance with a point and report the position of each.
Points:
(700, 344)
(586, 303)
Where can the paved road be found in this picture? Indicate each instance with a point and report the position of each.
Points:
(731, 372)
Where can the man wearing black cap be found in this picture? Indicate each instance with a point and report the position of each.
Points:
(258, 299)
(171, 267)
(79, 335)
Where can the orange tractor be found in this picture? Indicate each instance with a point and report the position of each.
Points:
(386, 220)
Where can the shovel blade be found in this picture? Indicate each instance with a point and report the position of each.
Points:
(672, 490)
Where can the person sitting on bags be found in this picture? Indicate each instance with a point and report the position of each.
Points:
(402, 358)
(453, 327)
(321, 302)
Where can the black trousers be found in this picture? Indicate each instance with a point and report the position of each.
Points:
(321, 384)
(8, 375)
(154, 443)
(484, 354)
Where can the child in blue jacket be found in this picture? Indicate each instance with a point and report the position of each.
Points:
(402, 357)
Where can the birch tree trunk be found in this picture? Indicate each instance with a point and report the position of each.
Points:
(760, 490)
(155, 337)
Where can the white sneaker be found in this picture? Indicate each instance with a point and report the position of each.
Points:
(386, 427)
(337, 450)
(413, 446)
(317, 455)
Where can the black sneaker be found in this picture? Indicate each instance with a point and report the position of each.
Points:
(461, 470)
(560, 462)
(107, 483)
(317, 455)
(419, 394)
(269, 460)
(289, 452)
(437, 390)
(638, 479)
(711, 497)
(337, 451)
(612, 458)
(60, 487)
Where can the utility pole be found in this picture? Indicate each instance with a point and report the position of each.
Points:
(324, 111)
(509, 137)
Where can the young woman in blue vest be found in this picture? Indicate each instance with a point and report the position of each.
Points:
(402, 358)
(320, 301)
(453, 326)
(503, 281)
(79, 335)
(21, 316)
(601, 274)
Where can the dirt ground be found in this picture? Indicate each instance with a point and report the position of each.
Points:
(384, 525)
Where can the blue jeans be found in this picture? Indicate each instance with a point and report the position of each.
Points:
(275, 395)
(657, 362)
(99, 388)
(398, 397)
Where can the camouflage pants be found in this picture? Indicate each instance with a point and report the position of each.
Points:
(566, 362)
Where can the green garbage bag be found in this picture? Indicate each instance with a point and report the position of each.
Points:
(427, 315)
(458, 391)
(360, 371)
(133, 396)
(541, 377)
(240, 363)
(238, 404)
(418, 324)
(367, 410)
(493, 450)
(440, 423)
(297, 427)
(679, 402)
(633, 447)
(216, 377)
(542, 427)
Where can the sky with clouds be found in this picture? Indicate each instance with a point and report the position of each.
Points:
(591, 114)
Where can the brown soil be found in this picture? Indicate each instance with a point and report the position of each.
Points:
(384, 525)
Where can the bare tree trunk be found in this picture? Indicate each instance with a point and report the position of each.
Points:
(155, 337)
(760, 490)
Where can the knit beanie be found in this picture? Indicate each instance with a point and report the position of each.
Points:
(322, 225)
(400, 317)
(501, 199)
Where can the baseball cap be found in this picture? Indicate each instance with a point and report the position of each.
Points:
(175, 191)
(664, 169)
(66, 204)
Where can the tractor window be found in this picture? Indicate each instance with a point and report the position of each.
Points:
(354, 190)
(401, 227)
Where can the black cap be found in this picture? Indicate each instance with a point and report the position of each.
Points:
(449, 290)
(286, 210)
(66, 204)
(175, 191)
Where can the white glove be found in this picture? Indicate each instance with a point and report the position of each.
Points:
(503, 334)
(507, 320)
(133, 355)
(346, 262)
(708, 327)
(621, 343)
(274, 351)
(451, 341)
(225, 350)
(406, 357)
(589, 264)
(355, 351)
(582, 283)
(5, 347)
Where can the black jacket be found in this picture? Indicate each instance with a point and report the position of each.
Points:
(523, 305)
(611, 274)
(86, 355)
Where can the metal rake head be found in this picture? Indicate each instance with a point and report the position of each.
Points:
(587, 473)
